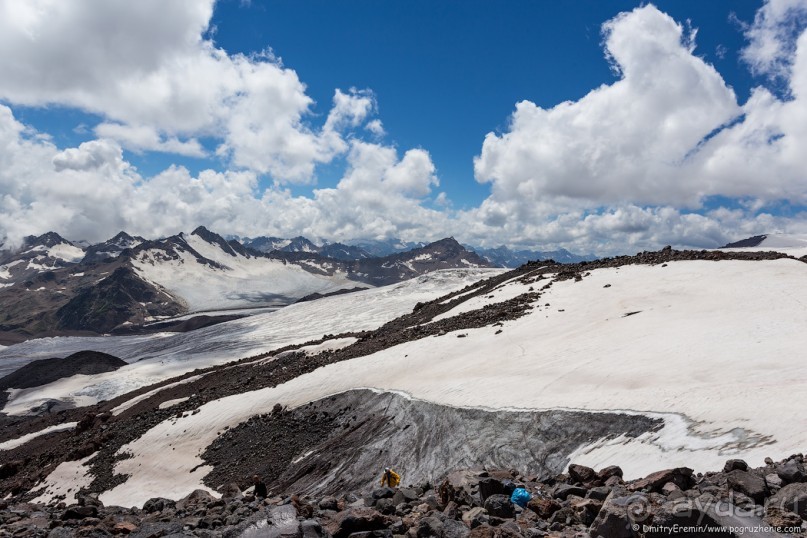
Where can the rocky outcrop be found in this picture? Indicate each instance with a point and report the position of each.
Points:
(44, 371)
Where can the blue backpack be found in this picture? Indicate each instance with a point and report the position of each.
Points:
(520, 497)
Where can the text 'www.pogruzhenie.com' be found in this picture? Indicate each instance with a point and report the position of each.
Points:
(718, 529)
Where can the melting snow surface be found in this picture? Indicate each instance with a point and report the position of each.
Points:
(170, 403)
(66, 480)
(146, 395)
(14, 443)
(714, 348)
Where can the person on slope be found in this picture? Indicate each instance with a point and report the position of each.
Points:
(260, 487)
(390, 478)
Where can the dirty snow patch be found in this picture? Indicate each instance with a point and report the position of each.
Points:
(19, 441)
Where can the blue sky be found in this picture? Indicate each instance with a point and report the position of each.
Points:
(447, 73)
(633, 128)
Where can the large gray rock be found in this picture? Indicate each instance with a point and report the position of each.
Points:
(430, 527)
(791, 498)
(735, 465)
(791, 471)
(582, 474)
(727, 516)
(490, 486)
(620, 513)
(455, 529)
(383, 493)
(356, 520)
(562, 491)
(748, 483)
(404, 495)
(680, 476)
(311, 528)
(500, 506)
(472, 518)
(158, 504)
(196, 498)
(231, 492)
(281, 523)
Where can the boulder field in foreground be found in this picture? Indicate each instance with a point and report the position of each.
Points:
(469, 503)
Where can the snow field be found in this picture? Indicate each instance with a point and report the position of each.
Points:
(245, 281)
(715, 348)
(792, 244)
(146, 395)
(155, 358)
(66, 480)
(14, 443)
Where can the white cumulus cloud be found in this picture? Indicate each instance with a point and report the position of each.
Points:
(635, 164)
(149, 69)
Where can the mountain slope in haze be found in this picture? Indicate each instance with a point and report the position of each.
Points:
(337, 251)
(505, 257)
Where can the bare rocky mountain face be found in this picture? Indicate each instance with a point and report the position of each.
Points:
(444, 254)
(48, 252)
(129, 284)
(322, 459)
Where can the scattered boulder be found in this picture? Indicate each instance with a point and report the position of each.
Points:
(735, 465)
(356, 520)
(406, 495)
(383, 493)
(582, 474)
(791, 471)
(231, 492)
(680, 476)
(430, 527)
(619, 513)
(158, 504)
(599, 493)
(455, 529)
(585, 510)
(562, 491)
(473, 517)
(544, 507)
(328, 503)
(609, 472)
(748, 483)
(490, 486)
(79, 512)
(284, 521)
(791, 498)
(196, 498)
(499, 505)
(311, 528)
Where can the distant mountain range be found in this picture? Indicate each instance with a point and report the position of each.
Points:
(128, 284)
(500, 257)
